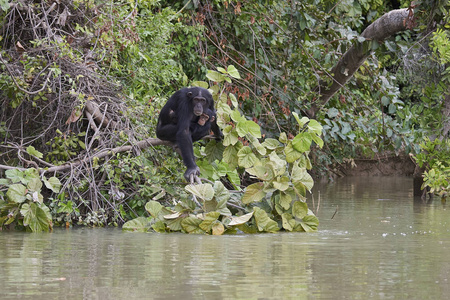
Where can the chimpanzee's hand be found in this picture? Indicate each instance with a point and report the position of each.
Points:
(191, 173)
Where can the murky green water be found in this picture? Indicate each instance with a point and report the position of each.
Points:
(381, 244)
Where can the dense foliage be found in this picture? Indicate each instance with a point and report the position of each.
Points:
(82, 82)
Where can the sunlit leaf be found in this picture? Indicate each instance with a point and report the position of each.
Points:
(218, 228)
(288, 221)
(221, 193)
(253, 193)
(283, 138)
(215, 76)
(291, 154)
(241, 219)
(14, 175)
(285, 200)
(140, 224)
(53, 184)
(175, 224)
(233, 72)
(202, 84)
(32, 151)
(221, 70)
(302, 142)
(36, 217)
(301, 121)
(204, 191)
(34, 185)
(209, 220)
(299, 209)
(278, 164)
(192, 225)
(261, 172)
(153, 207)
(230, 136)
(230, 155)
(246, 158)
(281, 183)
(173, 216)
(271, 144)
(263, 221)
(17, 193)
(310, 223)
(315, 127)
(233, 100)
(299, 174)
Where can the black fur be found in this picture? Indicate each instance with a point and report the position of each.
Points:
(178, 122)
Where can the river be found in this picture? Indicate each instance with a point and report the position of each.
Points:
(375, 241)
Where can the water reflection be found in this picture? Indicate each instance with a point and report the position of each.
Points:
(380, 244)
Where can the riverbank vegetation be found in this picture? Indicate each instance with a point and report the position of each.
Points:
(298, 86)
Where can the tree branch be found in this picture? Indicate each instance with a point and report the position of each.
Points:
(384, 27)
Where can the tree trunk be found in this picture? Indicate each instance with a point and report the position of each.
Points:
(387, 25)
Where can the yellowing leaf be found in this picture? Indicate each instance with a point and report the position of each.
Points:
(253, 193)
(241, 219)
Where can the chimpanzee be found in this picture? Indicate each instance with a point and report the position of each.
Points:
(188, 116)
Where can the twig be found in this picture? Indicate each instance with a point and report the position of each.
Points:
(335, 212)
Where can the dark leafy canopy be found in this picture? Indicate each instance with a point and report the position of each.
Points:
(285, 48)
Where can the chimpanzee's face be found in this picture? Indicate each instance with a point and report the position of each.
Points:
(199, 100)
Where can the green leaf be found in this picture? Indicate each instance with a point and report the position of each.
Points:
(221, 70)
(233, 72)
(299, 174)
(261, 172)
(192, 225)
(315, 127)
(299, 209)
(285, 200)
(209, 220)
(283, 138)
(230, 155)
(279, 165)
(233, 100)
(32, 151)
(17, 193)
(53, 184)
(240, 220)
(221, 194)
(301, 121)
(246, 158)
(302, 142)
(281, 183)
(230, 136)
(218, 228)
(263, 221)
(14, 175)
(34, 185)
(204, 191)
(271, 144)
(154, 208)
(36, 217)
(310, 223)
(214, 150)
(288, 221)
(253, 129)
(291, 154)
(159, 226)
(215, 76)
(202, 84)
(253, 193)
(140, 224)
